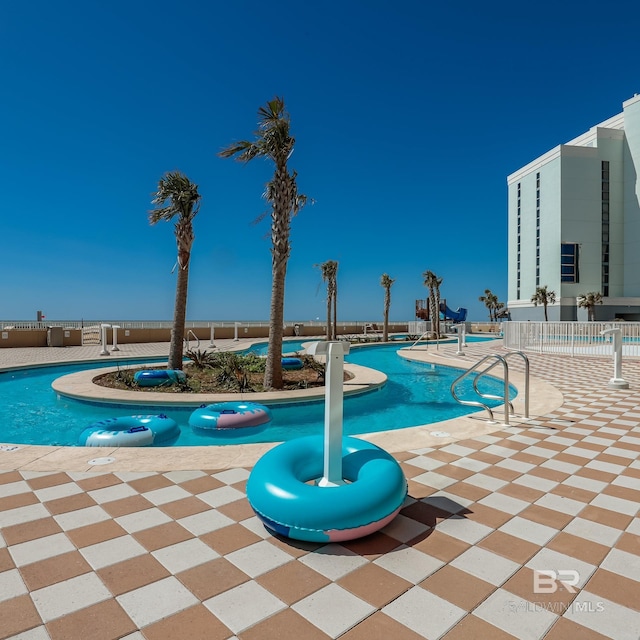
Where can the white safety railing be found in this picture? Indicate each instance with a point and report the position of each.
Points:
(353, 326)
(572, 338)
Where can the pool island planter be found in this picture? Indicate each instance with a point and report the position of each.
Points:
(80, 385)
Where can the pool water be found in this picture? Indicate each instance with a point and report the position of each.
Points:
(288, 346)
(415, 394)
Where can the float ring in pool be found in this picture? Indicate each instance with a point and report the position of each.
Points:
(372, 496)
(226, 417)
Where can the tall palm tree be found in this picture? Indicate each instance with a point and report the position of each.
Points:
(329, 270)
(589, 301)
(386, 281)
(178, 196)
(433, 283)
(544, 297)
(273, 140)
(490, 300)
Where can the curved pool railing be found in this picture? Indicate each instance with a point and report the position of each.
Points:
(495, 360)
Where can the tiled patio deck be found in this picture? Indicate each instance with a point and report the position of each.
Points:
(180, 554)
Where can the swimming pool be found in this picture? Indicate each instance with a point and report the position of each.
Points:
(288, 346)
(416, 393)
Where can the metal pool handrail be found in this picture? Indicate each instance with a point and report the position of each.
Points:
(497, 359)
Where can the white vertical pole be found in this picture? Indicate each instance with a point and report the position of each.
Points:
(235, 331)
(115, 328)
(103, 339)
(617, 382)
(213, 333)
(460, 352)
(333, 414)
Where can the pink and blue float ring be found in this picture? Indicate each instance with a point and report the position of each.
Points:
(159, 377)
(244, 417)
(278, 492)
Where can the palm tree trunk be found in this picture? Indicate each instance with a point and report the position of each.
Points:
(273, 368)
(433, 311)
(437, 296)
(334, 333)
(280, 250)
(385, 324)
(328, 313)
(176, 347)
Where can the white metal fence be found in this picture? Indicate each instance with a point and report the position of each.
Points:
(573, 338)
(352, 326)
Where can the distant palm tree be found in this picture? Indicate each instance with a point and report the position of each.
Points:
(273, 140)
(386, 281)
(589, 301)
(433, 283)
(490, 300)
(183, 201)
(329, 271)
(544, 297)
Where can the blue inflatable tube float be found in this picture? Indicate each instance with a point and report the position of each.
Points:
(291, 364)
(242, 418)
(130, 431)
(159, 377)
(278, 492)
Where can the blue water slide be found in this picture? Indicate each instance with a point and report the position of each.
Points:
(448, 314)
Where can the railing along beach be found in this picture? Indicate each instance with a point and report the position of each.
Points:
(572, 338)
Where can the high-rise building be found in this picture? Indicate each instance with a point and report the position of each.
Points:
(574, 224)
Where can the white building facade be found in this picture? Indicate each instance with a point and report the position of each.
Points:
(574, 224)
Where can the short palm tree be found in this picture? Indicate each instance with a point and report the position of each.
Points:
(273, 140)
(178, 196)
(544, 297)
(433, 282)
(490, 300)
(589, 301)
(386, 281)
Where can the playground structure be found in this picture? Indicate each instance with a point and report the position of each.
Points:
(422, 311)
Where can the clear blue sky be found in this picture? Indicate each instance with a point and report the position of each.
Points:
(408, 116)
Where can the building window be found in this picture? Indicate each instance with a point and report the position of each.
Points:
(569, 262)
(519, 223)
(605, 227)
(537, 229)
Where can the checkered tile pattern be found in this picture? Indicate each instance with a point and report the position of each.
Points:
(181, 555)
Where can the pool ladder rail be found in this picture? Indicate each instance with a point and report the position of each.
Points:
(187, 341)
(493, 360)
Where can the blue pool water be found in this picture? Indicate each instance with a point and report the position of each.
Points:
(416, 393)
(288, 346)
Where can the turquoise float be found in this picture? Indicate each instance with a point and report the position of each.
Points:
(159, 377)
(130, 431)
(373, 495)
(243, 417)
(292, 363)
